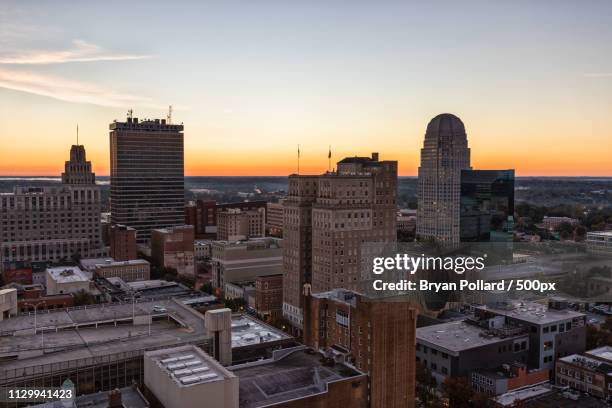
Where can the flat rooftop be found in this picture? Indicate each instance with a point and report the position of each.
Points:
(299, 374)
(603, 353)
(93, 263)
(247, 331)
(531, 312)
(508, 399)
(130, 397)
(98, 330)
(68, 274)
(189, 366)
(107, 329)
(457, 336)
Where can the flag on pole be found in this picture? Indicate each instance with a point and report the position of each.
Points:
(329, 154)
(298, 151)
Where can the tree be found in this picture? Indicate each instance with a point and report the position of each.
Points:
(82, 298)
(207, 288)
(459, 392)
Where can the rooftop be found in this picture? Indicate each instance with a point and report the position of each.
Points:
(531, 312)
(130, 397)
(189, 366)
(508, 399)
(67, 274)
(600, 233)
(602, 353)
(587, 362)
(93, 263)
(457, 336)
(247, 331)
(300, 373)
(345, 296)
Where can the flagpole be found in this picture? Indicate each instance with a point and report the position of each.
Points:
(298, 161)
(329, 160)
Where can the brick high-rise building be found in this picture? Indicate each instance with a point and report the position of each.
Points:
(444, 154)
(327, 218)
(147, 175)
(376, 336)
(48, 224)
(122, 243)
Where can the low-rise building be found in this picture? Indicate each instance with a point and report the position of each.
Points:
(34, 297)
(66, 279)
(173, 247)
(507, 378)
(269, 296)
(202, 249)
(554, 329)
(599, 242)
(457, 349)
(122, 240)
(187, 377)
(128, 271)
(300, 377)
(553, 223)
(589, 372)
(245, 260)
(8, 303)
(235, 224)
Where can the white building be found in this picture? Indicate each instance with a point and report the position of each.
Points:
(186, 377)
(8, 303)
(66, 279)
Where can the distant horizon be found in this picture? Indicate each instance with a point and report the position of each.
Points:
(58, 177)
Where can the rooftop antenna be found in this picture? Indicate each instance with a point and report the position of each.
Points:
(130, 114)
(169, 117)
(329, 160)
(77, 134)
(298, 161)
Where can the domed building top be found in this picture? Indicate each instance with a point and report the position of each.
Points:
(446, 123)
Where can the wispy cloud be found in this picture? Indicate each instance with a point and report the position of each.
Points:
(598, 75)
(81, 51)
(70, 90)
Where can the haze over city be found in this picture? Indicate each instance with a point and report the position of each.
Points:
(251, 81)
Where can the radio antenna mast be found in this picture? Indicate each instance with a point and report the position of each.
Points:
(169, 117)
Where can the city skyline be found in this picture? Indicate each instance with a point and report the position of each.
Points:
(532, 82)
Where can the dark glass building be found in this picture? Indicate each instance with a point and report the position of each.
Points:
(147, 175)
(487, 205)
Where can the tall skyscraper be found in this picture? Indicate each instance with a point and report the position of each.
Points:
(147, 175)
(487, 205)
(50, 224)
(327, 220)
(444, 154)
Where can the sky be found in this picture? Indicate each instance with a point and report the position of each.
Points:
(250, 80)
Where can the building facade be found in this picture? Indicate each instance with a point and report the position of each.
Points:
(327, 219)
(147, 175)
(128, 271)
(245, 260)
(173, 247)
(122, 241)
(269, 296)
(444, 154)
(487, 205)
(375, 336)
(235, 224)
(274, 218)
(49, 224)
